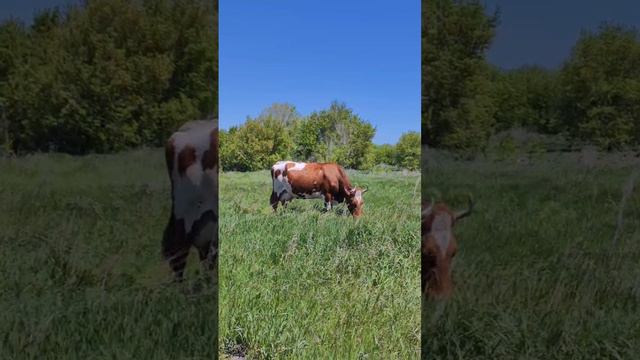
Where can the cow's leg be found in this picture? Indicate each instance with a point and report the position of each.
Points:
(274, 200)
(328, 201)
(284, 199)
(175, 247)
(208, 256)
(204, 235)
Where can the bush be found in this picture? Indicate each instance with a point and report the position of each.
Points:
(255, 145)
(108, 75)
(408, 151)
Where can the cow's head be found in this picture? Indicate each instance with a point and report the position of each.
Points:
(355, 201)
(439, 246)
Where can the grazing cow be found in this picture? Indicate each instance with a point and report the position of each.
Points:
(192, 162)
(326, 181)
(439, 246)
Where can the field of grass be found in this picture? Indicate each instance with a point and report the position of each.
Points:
(82, 276)
(538, 275)
(303, 284)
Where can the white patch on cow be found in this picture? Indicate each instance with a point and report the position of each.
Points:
(195, 173)
(327, 205)
(358, 195)
(194, 194)
(298, 166)
(281, 185)
(441, 231)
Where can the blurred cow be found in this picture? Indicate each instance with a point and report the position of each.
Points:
(439, 246)
(192, 162)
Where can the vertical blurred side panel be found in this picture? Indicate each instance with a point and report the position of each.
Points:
(454, 35)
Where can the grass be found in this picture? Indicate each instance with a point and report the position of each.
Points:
(303, 284)
(537, 273)
(82, 276)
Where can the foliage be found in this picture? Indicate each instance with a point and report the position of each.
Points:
(335, 134)
(108, 74)
(283, 112)
(384, 154)
(601, 83)
(407, 152)
(457, 112)
(594, 98)
(255, 145)
(528, 97)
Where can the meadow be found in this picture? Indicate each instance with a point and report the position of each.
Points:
(82, 276)
(306, 284)
(538, 273)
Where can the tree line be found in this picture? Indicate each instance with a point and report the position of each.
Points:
(593, 98)
(336, 134)
(107, 75)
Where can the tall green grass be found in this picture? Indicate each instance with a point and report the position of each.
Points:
(303, 284)
(537, 273)
(82, 276)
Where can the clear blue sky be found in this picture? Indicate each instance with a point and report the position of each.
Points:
(542, 32)
(308, 53)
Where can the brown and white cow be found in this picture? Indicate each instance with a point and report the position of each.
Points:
(326, 181)
(439, 246)
(192, 162)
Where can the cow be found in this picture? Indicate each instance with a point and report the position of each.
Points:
(326, 181)
(192, 162)
(439, 246)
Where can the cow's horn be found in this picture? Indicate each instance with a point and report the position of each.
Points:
(365, 190)
(465, 213)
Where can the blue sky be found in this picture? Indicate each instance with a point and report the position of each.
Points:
(309, 53)
(542, 32)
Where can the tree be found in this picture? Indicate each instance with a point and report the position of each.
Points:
(255, 145)
(384, 154)
(457, 106)
(528, 97)
(408, 151)
(283, 112)
(601, 83)
(336, 134)
(111, 74)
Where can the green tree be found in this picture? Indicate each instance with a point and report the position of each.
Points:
(283, 112)
(601, 83)
(384, 154)
(408, 151)
(112, 74)
(255, 145)
(528, 97)
(336, 134)
(457, 106)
